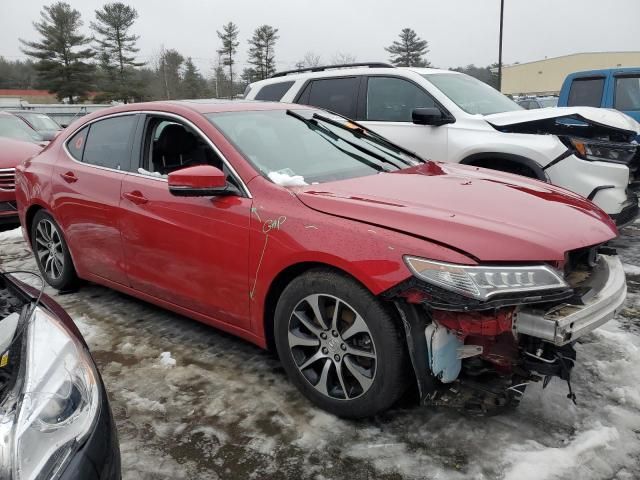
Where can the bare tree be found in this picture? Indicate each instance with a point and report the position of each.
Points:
(340, 58)
(310, 59)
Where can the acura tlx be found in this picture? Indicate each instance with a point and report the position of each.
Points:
(366, 267)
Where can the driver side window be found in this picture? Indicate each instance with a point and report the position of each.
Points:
(169, 145)
(391, 99)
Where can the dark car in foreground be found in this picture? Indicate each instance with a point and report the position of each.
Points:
(12, 153)
(55, 419)
(40, 122)
(366, 267)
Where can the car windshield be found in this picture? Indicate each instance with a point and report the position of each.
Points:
(40, 121)
(472, 95)
(15, 128)
(298, 147)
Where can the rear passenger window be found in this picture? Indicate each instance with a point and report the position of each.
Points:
(75, 144)
(394, 99)
(274, 92)
(107, 144)
(586, 92)
(339, 95)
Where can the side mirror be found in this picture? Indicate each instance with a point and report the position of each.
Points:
(49, 135)
(429, 116)
(199, 181)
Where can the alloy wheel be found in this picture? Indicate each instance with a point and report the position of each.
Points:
(49, 249)
(332, 346)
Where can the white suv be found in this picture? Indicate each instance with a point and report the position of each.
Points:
(449, 116)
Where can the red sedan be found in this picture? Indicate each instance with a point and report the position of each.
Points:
(12, 153)
(367, 268)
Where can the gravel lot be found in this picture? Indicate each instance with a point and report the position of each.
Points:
(192, 402)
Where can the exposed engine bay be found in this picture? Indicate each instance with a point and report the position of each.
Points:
(12, 304)
(479, 358)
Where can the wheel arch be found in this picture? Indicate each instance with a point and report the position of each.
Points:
(29, 215)
(482, 160)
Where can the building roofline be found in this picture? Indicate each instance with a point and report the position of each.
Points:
(570, 55)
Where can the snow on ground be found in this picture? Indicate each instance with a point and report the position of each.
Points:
(192, 402)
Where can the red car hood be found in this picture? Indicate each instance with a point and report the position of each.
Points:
(491, 216)
(13, 152)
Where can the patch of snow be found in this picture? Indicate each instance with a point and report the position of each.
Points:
(630, 269)
(166, 360)
(287, 178)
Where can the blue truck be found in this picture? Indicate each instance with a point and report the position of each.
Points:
(617, 88)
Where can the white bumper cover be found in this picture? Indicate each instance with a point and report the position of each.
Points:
(565, 323)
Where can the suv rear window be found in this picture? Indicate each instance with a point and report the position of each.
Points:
(273, 92)
(586, 92)
(336, 94)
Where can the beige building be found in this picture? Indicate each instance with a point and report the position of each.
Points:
(546, 76)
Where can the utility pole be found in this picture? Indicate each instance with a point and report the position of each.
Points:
(500, 47)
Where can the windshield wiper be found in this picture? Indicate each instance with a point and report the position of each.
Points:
(370, 135)
(314, 121)
(324, 132)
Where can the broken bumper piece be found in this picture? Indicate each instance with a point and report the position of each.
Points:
(565, 323)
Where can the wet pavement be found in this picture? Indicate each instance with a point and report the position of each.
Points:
(194, 403)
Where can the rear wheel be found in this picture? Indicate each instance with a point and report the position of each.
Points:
(339, 345)
(51, 252)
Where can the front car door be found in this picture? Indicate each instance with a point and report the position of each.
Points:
(389, 102)
(189, 251)
(86, 195)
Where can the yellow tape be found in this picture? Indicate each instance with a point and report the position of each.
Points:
(4, 360)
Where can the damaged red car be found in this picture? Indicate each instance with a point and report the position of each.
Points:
(368, 269)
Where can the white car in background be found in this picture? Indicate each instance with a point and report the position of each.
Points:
(449, 116)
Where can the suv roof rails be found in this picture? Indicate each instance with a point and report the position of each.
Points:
(330, 67)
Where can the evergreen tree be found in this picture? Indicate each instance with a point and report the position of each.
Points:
(193, 84)
(409, 51)
(170, 64)
(61, 61)
(230, 43)
(116, 47)
(262, 51)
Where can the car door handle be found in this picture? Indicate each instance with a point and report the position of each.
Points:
(136, 197)
(69, 177)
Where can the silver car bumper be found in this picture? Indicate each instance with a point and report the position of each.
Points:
(565, 323)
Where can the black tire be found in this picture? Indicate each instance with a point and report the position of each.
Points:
(389, 379)
(64, 277)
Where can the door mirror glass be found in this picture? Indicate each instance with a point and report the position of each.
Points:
(428, 116)
(199, 181)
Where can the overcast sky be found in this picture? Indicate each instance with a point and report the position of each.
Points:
(459, 32)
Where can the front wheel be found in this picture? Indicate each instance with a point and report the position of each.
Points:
(51, 251)
(340, 345)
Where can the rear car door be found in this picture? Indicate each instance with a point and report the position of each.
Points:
(189, 251)
(389, 103)
(87, 179)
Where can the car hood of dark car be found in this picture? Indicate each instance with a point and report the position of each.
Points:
(489, 215)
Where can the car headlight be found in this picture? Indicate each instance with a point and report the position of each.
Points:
(60, 399)
(483, 282)
(603, 151)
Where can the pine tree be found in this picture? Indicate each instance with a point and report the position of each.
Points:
(193, 84)
(230, 43)
(61, 60)
(116, 48)
(409, 51)
(262, 51)
(170, 64)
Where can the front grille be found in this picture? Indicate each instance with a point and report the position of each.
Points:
(8, 207)
(579, 264)
(634, 172)
(7, 179)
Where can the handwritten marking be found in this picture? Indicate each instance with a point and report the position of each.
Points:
(274, 224)
(311, 226)
(255, 281)
(255, 210)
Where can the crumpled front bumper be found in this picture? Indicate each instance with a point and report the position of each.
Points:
(565, 323)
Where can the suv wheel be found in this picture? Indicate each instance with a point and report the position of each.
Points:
(339, 345)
